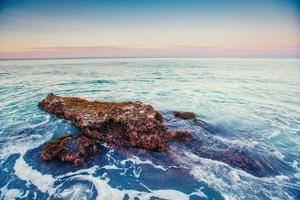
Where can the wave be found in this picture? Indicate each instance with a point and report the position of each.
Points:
(236, 184)
(48, 184)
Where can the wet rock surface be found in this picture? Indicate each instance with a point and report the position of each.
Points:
(68, 148)
(180, 135)
(126, 124)
(185, 115)
(130, 125)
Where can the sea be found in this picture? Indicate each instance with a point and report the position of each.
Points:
(248, 105)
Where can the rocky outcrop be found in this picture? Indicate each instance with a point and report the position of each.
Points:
(69, 148)
(131, 124)
(127, 124)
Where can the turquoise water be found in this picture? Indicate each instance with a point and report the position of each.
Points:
(251, 105)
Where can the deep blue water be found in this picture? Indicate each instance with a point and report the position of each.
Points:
(249, 105)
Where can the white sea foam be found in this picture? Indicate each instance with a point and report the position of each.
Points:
(26, 173)
(295, 165)
(250, 145)
(19, 144)
(45, 183)
(237, 143)
(274, 134)
(199, 193)
(15, 145)
(12, 194)
(137, 161)
(278, 154)
(234, 183)
(90, 170)
(106, 192)
(75, 192)
(45, 121)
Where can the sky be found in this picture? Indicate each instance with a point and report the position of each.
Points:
(149, 28)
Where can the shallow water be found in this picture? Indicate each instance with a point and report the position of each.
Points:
(249, 105)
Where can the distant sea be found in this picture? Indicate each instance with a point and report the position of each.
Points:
(251, 105)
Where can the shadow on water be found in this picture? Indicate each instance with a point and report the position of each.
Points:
(250, 156)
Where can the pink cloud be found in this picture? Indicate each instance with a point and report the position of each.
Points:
(172, 51)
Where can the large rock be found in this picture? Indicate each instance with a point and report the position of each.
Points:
(130, 124)
(127, 124)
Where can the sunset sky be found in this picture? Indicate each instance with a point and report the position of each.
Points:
(137, 28)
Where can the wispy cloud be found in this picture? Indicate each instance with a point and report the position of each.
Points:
(168, 51)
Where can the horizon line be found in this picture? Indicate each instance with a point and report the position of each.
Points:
(151, 57)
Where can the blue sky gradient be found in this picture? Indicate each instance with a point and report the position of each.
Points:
(170, 28)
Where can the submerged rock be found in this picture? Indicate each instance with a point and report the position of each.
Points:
(180, 135)
(185, 115)
(239, 159)
(69, 148)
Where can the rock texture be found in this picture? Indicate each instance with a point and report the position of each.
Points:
(185, 115)
(180, 135)
(126, 124)
(69, 148)
(130, 124)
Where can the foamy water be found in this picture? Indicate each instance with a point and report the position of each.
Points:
(250, 105)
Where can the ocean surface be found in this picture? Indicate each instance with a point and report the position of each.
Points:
(249, 105)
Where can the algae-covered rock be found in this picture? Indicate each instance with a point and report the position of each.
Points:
(185, 115)
(127, 124)
(69, 148)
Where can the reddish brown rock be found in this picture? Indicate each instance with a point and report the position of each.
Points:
(127, 124)
(180, 135)
(69, 148)
(185, 115)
